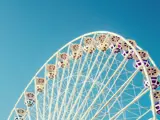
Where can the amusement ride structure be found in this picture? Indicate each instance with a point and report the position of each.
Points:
(97, 76)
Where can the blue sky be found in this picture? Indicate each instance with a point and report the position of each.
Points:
(31, 31)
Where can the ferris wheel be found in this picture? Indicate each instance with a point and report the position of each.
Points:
(97, 76)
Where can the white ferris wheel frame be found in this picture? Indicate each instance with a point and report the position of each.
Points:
(92, 33)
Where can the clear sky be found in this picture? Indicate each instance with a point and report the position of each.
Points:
(32, 30)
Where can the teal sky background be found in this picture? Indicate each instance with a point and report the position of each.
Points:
(32, 30)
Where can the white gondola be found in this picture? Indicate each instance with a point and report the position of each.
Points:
(63, 60)
(51, 71)
(77, 51)
(40, 82)
(29, 99)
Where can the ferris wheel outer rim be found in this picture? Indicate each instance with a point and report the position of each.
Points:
(90, 33)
